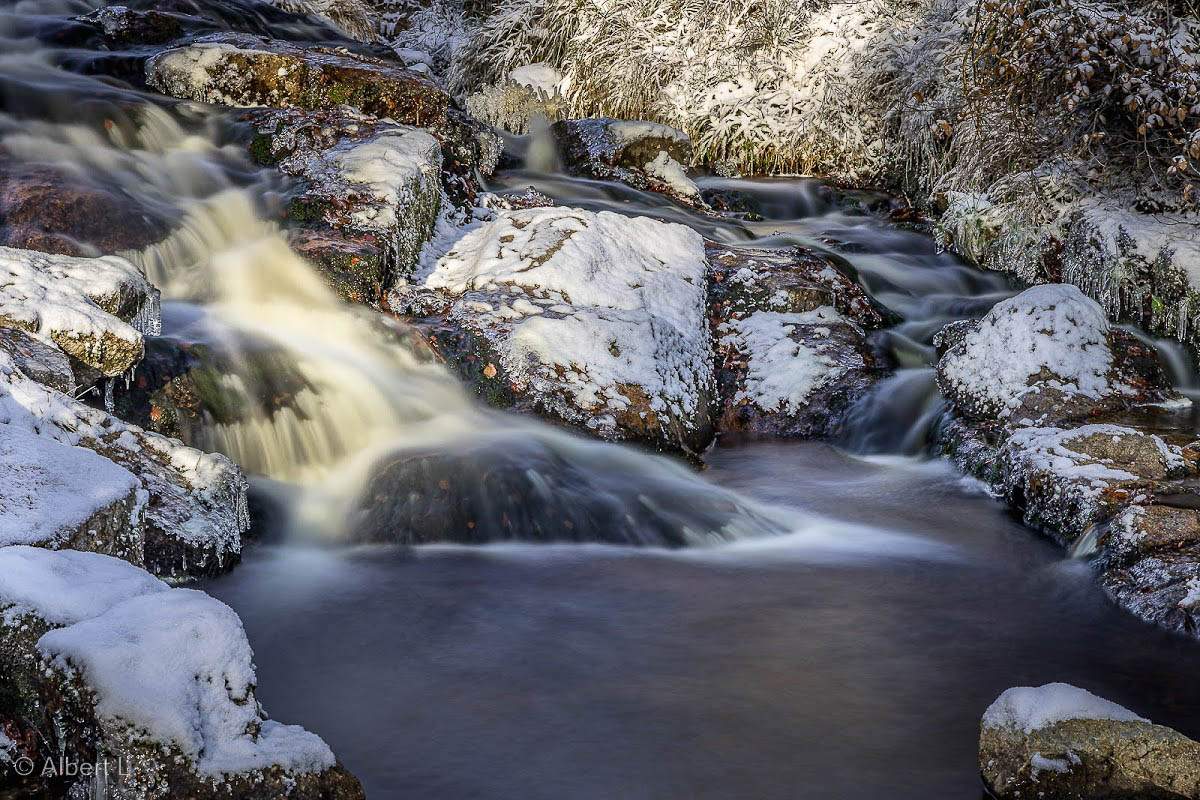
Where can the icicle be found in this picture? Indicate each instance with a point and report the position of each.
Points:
(109, 405)
(148, 319)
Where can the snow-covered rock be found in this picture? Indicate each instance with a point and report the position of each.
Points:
(236, 69)
(53, 495)
(1061, 742)
(107, 665)
(796, 373)
(1068, 480)
(645, 155)
(1047, 354)
(94, 309)
(369, 192)
(195, 506)
(592, 318)
(792, 343)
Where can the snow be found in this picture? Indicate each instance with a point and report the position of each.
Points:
(540, 77)
(671, 172)
(1052, 328)
(1028, 708)
(1049, 450)
(48, 491)
(630, 300)
(64, 587)
(176, 665)
(196, 497)
(73, 301)
(397, 165)
(781, 373)
(172, 664)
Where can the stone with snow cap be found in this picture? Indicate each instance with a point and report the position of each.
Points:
(1060, 742)
(94, 309)
(106, 664)
(1046, 355)
(594, 319)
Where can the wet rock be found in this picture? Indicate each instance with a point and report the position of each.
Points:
(526, 486)
(195, 502)
(38, 360)
(593, 319)
(1059, 742)
(1046, 356)
(368, 194)
(354, 18)
(123, 26)
(105, 665)
(48, 210)
(94, 309)
(645, 155)
(242, 70)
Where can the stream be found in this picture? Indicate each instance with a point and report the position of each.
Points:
(849, 609)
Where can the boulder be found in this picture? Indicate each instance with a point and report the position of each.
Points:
(792, 341)
(122, 26)
(236, 69)
(593, 319)
(55, 212)
(152, 687)
(195, 502)
(368, 195)
(94, 309)
(1060, 742)
(645, 155)
(1046, 356)
(796, 374)
(1067, 480)
(39, 360)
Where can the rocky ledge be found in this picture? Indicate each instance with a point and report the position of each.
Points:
(1073, 422)
(1060, 742)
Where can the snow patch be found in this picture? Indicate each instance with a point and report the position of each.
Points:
(1028, 708)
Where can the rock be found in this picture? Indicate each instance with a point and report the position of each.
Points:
(94, 309)
(792, 344)
(56, 496)
(107, 666)
(1046, 356)
(1149, 557)
(48, 210)
(1068, 480)
(354, 18)
(645, 155)
(236, 69)
(123, 26)
(1059, 742)
(38, 360)
(195, 511)
(593, 319)
(796, 374)
(530, 486)
(369, 193)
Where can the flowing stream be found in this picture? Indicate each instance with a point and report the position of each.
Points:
(848, 612)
